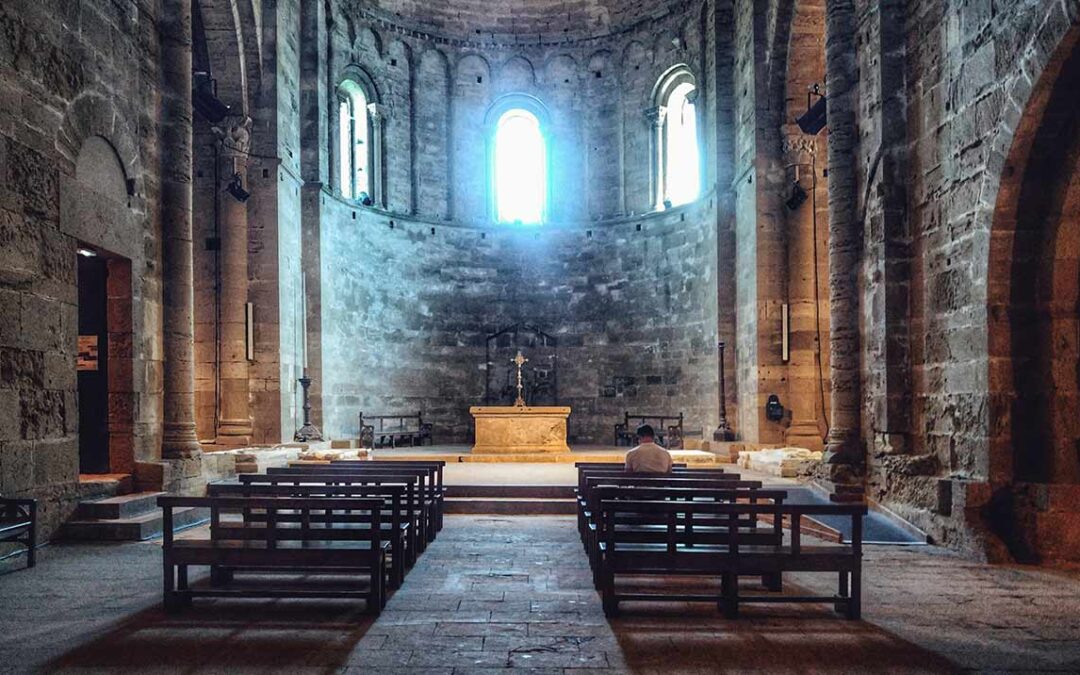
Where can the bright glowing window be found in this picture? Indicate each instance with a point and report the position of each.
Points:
(353, 147)
(519, 173)
(682, 166)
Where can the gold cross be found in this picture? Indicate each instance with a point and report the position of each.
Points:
(520, 361)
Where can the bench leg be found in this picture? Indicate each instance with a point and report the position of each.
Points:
(773, 582)
(607, 591)
(219, 576)
(729, 592)
(843, 592)
(854, 603)
(375, 600)
(397, 565)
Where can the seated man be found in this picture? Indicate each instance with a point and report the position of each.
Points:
(648, 457)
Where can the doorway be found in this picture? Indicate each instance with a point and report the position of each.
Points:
(92, 363)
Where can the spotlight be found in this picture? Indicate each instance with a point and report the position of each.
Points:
(814, 119)
(365, 199)
(798, 196)
(236, 189)
(205, 100)
(667, 204)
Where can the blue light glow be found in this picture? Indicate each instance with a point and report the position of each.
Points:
(520, 170)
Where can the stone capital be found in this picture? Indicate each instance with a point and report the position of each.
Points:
(378, 113)
(234, 136)
(656, 115)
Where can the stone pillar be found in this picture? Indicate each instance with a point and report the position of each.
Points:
(377, 113)
(234, 410)
(799, 152)
(656, 118)
(845, 444)
(178, 433)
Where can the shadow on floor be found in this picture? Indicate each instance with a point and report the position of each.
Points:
(691, 638)
(220, 635)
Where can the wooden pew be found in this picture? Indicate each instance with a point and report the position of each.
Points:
(428, 500)
(395, 500)
(682, 553)
(668, 429)
(394, 429)
(436, 465)
(18, 523)
(411, 509)
(276, 545)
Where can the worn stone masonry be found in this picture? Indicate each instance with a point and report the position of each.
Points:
(921, 249)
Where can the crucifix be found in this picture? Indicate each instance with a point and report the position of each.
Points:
(519, 361)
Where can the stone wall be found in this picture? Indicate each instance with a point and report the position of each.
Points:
(406, 306)
(68, 72)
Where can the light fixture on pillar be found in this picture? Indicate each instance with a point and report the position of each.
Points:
(236, 189)
(796, 198)
(365, 199)
(86, 253)
(723, 429)
(205, 100)
(814, 119)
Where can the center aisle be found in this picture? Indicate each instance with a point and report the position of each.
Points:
(494, 593)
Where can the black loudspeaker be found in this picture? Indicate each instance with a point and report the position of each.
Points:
(774, 412)
(205, 100)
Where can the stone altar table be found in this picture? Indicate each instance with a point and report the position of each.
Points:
(520, 429)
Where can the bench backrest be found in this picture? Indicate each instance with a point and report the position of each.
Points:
(616, 471)
(394, 497)
(680, 515)
(283, 519)
(426, 476)
(401, 422)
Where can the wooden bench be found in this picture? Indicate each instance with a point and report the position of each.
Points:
(435, 466)
(394, 430)
(18, 523)
(428, 499)
(412, 509)
(276, 544)
(668, 429)
(684, 551)
(395, 500)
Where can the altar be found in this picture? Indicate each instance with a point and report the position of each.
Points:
(520, 429)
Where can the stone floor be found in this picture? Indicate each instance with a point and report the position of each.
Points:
(513, 596)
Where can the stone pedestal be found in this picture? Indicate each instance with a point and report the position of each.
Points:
(520, 429)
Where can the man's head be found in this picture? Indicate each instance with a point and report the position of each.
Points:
(646, 434)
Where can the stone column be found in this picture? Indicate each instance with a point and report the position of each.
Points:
(845, 444)
(799, 152)
(234, 410)
(178, 433)
(656, 118)
(377, 113)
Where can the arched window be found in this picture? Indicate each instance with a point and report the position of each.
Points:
(519, 160)
(677, 158)
(354, 148)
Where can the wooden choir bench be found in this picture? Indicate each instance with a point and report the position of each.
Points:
(18, 523)
(668, 428)
(294, 534)
(394, 430)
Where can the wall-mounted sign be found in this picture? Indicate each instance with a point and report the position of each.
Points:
(88, 353)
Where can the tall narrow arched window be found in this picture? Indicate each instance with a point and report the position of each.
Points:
(519, 166)
(677, 158)
(354, 148)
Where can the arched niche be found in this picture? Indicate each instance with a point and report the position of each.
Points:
(98, 168)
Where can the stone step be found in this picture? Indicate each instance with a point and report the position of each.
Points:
(511, 491)
(122, 506)
(99, 486)
(137, 528)
(514, 506)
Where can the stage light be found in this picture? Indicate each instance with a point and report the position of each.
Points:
(205, 100)
(236, 189)
(815, 118)
(365, 199)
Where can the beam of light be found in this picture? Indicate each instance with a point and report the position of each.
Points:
(683, 163)
(520, 171)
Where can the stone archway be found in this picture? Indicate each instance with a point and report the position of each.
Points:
(1034, 321)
